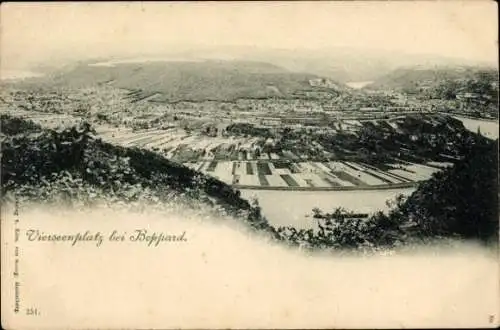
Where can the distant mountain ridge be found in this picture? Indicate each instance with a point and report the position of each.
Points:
(190, 80)
(228, 73)
(412, 78)
(342, 64)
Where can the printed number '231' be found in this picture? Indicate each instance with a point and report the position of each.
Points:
(32, 311)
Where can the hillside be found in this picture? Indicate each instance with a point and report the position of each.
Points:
(342, 64)
(462, 200)
(459, 203)
(73, 167)
(417, 79)
(188, 80)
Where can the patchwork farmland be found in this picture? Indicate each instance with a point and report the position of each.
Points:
(273, 175)
(238, 160)
(230, 160)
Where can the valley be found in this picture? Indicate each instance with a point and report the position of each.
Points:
(321, 144)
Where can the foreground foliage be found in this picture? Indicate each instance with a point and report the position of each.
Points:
(73, 167)
(460, 202)
(41, 164)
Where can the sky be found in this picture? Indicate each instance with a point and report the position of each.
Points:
(37, 32)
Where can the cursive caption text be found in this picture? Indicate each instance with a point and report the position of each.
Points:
(143, 236)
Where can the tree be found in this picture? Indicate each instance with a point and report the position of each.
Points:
(461, 200)
(317, 213)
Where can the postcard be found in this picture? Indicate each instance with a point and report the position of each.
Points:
(260, 165)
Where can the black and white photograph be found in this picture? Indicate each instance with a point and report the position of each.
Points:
(300, 164)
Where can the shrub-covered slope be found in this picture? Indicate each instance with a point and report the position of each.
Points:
(37, 163)
(73, 166)
(461, 202)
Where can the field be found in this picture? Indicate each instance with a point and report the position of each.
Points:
(236, 161)
(312, 175)
(259, 174)
(231, 160)
(286, 186)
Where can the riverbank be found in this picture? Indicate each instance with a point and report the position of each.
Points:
(461, 117)
(337, 188)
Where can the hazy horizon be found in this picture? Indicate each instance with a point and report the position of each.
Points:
(36, 33)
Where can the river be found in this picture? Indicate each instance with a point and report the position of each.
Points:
(488, 128)
(294, 208)
(358, 84)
